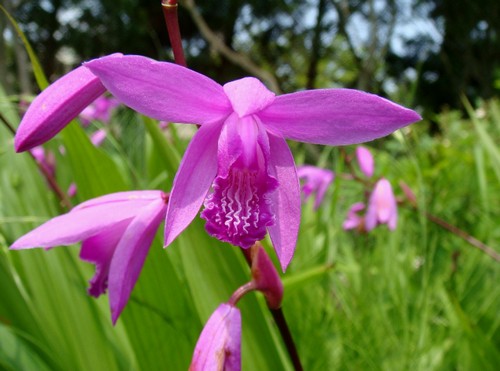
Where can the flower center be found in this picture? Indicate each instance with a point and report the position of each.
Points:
(238, 209)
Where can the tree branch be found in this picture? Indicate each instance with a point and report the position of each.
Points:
(217, 44)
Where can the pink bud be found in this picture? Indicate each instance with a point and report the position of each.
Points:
(56, 106)
(219, 344)
(265, 277)
(365, 160)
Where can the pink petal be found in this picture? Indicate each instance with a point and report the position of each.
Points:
(99, 250)
(248, 95)
(365, 160)
(335, 116)
(219, 344)
(130, 255)
(77, 225)
(98, 137)
(87, 219)
(56, 106)
(192, 181)
(161, 90)
(286, 201)
(143, 197)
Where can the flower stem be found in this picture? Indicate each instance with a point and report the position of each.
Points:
(280, 320)
(464, 235)
(170, 13)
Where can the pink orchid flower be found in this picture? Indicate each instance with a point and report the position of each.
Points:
(117, 231)
(354, 220)
(239, 152)
(45, 159)
(98, 137)
(365, 160)
(382, 207)
(316, 180)
(100, 110)
(219, 345)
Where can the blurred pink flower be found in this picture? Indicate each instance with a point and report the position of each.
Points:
(219, 345)
(98, 137)
(315, 180)
(71, 192)
(354, 220)
(365, 160)
(117, 231)
(382, 206)
(99, 110)
(45, 159)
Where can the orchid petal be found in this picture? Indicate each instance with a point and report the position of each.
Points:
(118, 197)
(130, 255)
(77, 225)
(219, 344)
(286, 200)
(192, 181)
(335, 116)
(248, 96)
(161, 90)
(56, 106)
(99, 250)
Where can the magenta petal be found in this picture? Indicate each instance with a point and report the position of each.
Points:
(219, 344)
(56, 106)
(335, 116)
(77, 225)
(161, 90)
(99, 250)
(248, 95)
(144, 197)
(130, 255)
(192, 181)
(286, 201)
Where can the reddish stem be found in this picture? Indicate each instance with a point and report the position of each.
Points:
(170, 13)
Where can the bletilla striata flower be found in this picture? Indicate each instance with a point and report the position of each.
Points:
(365, 160)
(117, 231)
(354, 220)
(219, 345)
(100, 109)
(315, 180)
(239, 152)
(382, 207)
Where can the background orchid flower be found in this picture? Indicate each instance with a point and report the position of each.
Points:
(98, 137)
(117, 231)
(365, 160)
(45, 159)
(219, 344)
(316, 180)
(382, 206)
(354, 220)
(240, 150)
(100, 109)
